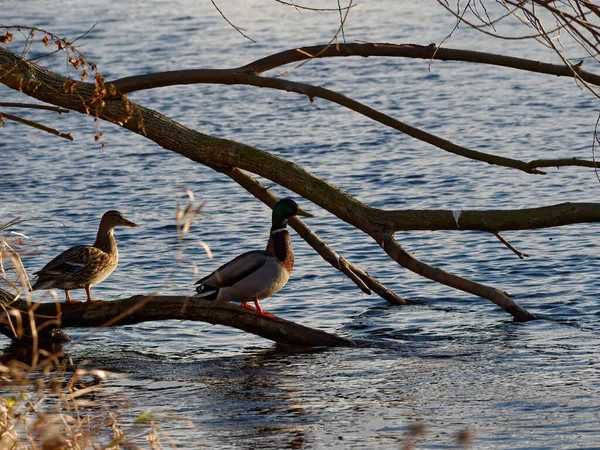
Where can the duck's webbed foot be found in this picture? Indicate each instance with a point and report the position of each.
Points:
(70, 301)
(89, 295)
(262, 312)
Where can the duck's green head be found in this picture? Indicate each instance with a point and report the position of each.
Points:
(283, 210)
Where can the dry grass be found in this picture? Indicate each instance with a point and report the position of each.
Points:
(48, 403)
(55, 406)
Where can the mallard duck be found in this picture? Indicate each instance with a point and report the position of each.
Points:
(84, 266)
(258, 274)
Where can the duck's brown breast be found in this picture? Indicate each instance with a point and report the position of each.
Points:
(280, 246)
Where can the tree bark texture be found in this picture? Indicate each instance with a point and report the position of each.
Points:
(50, 318)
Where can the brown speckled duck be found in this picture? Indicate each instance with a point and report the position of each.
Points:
(84, 266)
(258, 274)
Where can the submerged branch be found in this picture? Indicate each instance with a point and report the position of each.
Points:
(154, 308)
(500, 298)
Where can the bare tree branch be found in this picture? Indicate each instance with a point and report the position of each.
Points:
(500, 298)
(569, 16)
(33, 106)
(39, 126)
(162, 79)
(247, 75)
(491, 220)
(520, 254)
(48, 317)
(426, 52)
(563, 162)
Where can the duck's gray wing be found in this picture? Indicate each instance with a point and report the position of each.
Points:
(235, 270)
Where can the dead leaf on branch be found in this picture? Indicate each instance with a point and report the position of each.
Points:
(7, 38)
(69, 86)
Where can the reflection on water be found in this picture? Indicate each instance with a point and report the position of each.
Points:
(496, 382)
(452, 365)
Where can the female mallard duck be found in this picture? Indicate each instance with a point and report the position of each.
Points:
(258, 274)
(84, 266)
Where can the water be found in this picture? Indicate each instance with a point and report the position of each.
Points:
(452, 363)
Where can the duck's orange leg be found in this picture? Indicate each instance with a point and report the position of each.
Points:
(89, 295)
(246, 305)
(262, 312)
(69, 299)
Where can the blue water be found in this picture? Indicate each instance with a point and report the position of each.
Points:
(454, 362)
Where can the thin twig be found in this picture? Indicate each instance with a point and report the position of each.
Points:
(495, 35)
(33, 106)
(39, 126)
(308, 8)
(235, 27)
(342, 18)
(330, 43)
(514, 250)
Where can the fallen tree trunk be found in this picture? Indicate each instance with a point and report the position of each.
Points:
(50, 318)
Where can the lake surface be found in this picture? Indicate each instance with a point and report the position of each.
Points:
(452, 363)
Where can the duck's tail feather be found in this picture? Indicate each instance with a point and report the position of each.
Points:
(207, 292)
(42, 284)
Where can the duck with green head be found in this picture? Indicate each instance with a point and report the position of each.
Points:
(84, 266)
(258, 274)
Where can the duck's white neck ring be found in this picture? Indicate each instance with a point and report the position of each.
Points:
(279, 230)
